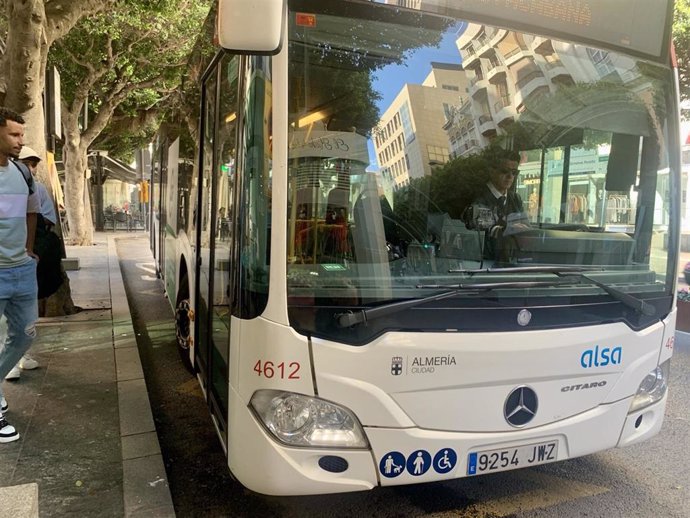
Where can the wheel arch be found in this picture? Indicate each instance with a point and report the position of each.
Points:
(183, 281)
(184, 322)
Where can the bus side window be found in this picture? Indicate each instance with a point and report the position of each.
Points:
(254, 212)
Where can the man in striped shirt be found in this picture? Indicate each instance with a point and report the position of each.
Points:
(19, 206)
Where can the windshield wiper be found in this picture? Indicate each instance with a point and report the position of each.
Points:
(352, 318)
(566, 275)
(638, 305)
(532, 269)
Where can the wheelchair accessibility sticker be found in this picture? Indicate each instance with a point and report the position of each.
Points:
(445, 460)
(394, 463)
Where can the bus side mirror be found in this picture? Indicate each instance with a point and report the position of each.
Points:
(251, 26)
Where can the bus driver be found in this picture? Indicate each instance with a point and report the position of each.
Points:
(497, 209)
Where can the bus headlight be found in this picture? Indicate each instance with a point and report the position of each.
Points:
(299, 420)
(652, 388)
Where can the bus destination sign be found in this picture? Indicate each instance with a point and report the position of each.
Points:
(637, 27)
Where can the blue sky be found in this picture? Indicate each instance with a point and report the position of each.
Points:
(389, 81)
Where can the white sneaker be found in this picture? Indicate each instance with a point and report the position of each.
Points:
(27, 363)
(7, 431)
(3, 405)
(13, 374)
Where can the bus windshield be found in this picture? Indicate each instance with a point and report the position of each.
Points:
(429, 153)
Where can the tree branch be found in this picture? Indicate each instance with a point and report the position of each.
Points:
(78, 61)
(63, 15)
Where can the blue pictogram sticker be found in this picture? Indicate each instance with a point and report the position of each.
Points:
(472, 464)
(392, 464)
(418, 463)
(445, 460)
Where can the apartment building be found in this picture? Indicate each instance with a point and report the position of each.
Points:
(507, 69)
(515, 75)
(410, 139)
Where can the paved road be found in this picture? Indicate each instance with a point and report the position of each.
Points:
(646, 480)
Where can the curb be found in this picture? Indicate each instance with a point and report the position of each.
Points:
(145, 483)
(19, 501)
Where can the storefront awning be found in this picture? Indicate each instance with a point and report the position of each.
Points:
(114, 169)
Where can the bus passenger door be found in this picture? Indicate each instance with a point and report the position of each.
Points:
(160, 205)
(215, 236)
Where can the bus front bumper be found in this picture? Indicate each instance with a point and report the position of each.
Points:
(413, 455)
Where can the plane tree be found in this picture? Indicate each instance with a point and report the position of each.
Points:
(121, 65)
(30, 28)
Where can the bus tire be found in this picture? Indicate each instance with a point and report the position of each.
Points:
(184, 315)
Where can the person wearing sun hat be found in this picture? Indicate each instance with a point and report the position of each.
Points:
(31, 159)
(47, 211)
(48, 244)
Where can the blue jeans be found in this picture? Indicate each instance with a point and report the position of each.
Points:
(19, 304)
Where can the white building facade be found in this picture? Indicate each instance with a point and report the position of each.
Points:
(410, 138)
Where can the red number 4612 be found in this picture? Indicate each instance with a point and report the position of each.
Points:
(269, 369)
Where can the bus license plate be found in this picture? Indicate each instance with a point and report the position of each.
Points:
(490, 461)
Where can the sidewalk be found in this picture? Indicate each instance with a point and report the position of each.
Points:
(88, 444)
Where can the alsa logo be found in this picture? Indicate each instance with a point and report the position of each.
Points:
(601, 357)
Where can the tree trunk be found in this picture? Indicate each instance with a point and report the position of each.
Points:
(22, 81)
(76, 197)
(59, 303)
(23, 68)
(33, 25)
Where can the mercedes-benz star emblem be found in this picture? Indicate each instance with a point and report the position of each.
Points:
(521, 406)
(524, 317)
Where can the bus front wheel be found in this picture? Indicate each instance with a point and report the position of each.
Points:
(184, 315)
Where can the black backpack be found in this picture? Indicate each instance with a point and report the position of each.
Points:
(49, 270)
(28, 177)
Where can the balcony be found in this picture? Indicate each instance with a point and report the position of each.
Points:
(555, 69)
(469, 56)
(496, 70)
(504, 111)
(528, 83)
(537, 87)
(468, 148)
(470, 145)
(505, 115)
(496, 37)
(487, 126)
(502, 102)
(483, 46)
(542, 46)
(477, 85)
(516, 55)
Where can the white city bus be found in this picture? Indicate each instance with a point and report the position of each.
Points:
(349, 325)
